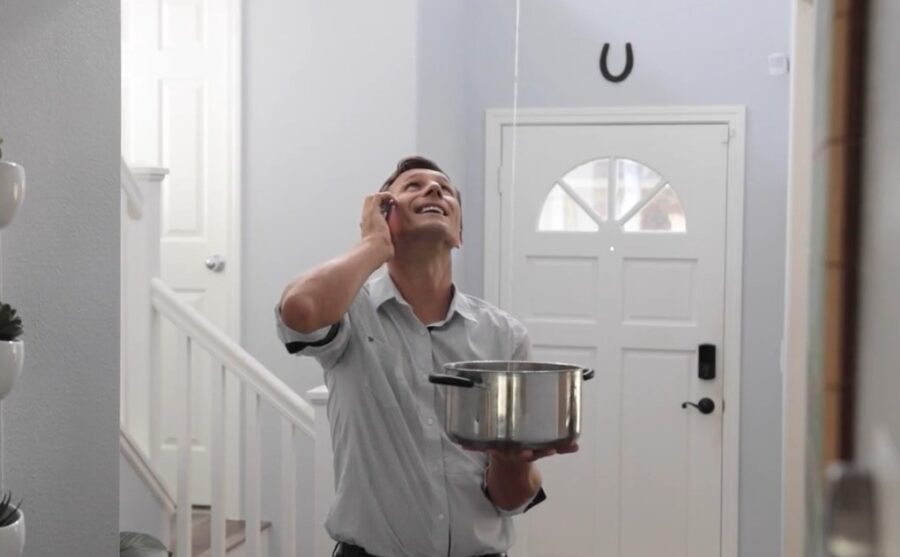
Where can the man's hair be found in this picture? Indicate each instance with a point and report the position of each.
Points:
(411, 163)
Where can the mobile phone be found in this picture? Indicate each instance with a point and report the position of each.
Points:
(386, 207)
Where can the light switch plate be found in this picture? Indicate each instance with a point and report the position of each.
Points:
(778, 64)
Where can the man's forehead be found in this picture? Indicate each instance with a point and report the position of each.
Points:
(421, 173)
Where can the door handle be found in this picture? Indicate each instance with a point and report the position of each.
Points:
(704, 405)
(706, 362)
(850, 512)
(215, 263)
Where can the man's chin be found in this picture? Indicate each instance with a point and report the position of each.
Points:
(430, 232)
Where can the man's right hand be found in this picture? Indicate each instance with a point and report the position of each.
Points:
(374, 225)
(321, 296)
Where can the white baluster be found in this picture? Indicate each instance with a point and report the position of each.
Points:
(155, 380)
(184, 511)
(251, 481)
(217, 462)
(288, 488)
(324, 470)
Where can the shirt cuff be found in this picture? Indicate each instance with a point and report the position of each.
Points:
(538, 498)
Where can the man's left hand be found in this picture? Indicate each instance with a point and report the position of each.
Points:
(512, 478)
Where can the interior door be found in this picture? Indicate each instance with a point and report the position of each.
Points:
(877, 414)
(178, 112)
(613, 255)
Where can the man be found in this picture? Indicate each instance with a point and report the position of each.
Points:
(403, 489)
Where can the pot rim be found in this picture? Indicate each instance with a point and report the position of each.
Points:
(502, 366)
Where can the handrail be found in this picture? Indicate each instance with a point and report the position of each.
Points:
(272, 389)
(135, 201)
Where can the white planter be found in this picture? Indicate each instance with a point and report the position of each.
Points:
(12, 538)
(12, 191)
(12, 356)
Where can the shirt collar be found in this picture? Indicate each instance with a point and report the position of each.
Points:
(383, 289)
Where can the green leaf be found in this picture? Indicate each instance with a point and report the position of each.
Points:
(133, 544)
(10, 323)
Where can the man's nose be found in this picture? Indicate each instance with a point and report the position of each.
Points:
(433, 188)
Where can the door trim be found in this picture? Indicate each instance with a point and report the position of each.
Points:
(734, 118)
(235, 78)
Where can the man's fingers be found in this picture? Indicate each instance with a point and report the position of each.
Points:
(566, 449)
(376, 200)
(381, 197)
(542, 453)
(527, 455)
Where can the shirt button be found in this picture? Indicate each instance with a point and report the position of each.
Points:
(429, 421)
(441, 517)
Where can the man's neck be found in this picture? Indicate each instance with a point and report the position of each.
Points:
(425, 282)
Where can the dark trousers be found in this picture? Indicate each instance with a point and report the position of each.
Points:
(347, 550)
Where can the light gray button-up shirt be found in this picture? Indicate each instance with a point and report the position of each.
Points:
(402, 487)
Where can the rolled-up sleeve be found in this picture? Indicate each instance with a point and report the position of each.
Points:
(326, 344)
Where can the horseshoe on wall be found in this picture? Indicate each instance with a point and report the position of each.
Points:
(629, 64)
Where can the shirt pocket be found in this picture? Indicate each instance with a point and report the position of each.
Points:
(384, 376)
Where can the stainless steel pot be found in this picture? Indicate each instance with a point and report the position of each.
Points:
(511, 404)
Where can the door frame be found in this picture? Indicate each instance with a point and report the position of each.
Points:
(732, 116)
(236, 148)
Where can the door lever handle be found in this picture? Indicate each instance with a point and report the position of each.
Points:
(704, 405)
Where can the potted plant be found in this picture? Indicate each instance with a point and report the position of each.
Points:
(12, 189)
(12, 527)
(132, 544)
(12, 349)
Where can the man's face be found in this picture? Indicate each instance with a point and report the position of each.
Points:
(427, 205)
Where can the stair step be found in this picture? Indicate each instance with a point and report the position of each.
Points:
(201, 532)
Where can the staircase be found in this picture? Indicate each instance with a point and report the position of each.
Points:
(235, 535)
(220, 526)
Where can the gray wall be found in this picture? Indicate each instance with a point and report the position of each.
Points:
(329, 108)
(59, 115)
(687, 52)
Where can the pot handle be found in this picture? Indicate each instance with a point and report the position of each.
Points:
(451, 380)
(587, 374)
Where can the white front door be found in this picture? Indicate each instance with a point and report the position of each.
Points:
(179, 112)
(612, 248)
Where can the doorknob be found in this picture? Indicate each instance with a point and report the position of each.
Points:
(215, 263)
(704, 405)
